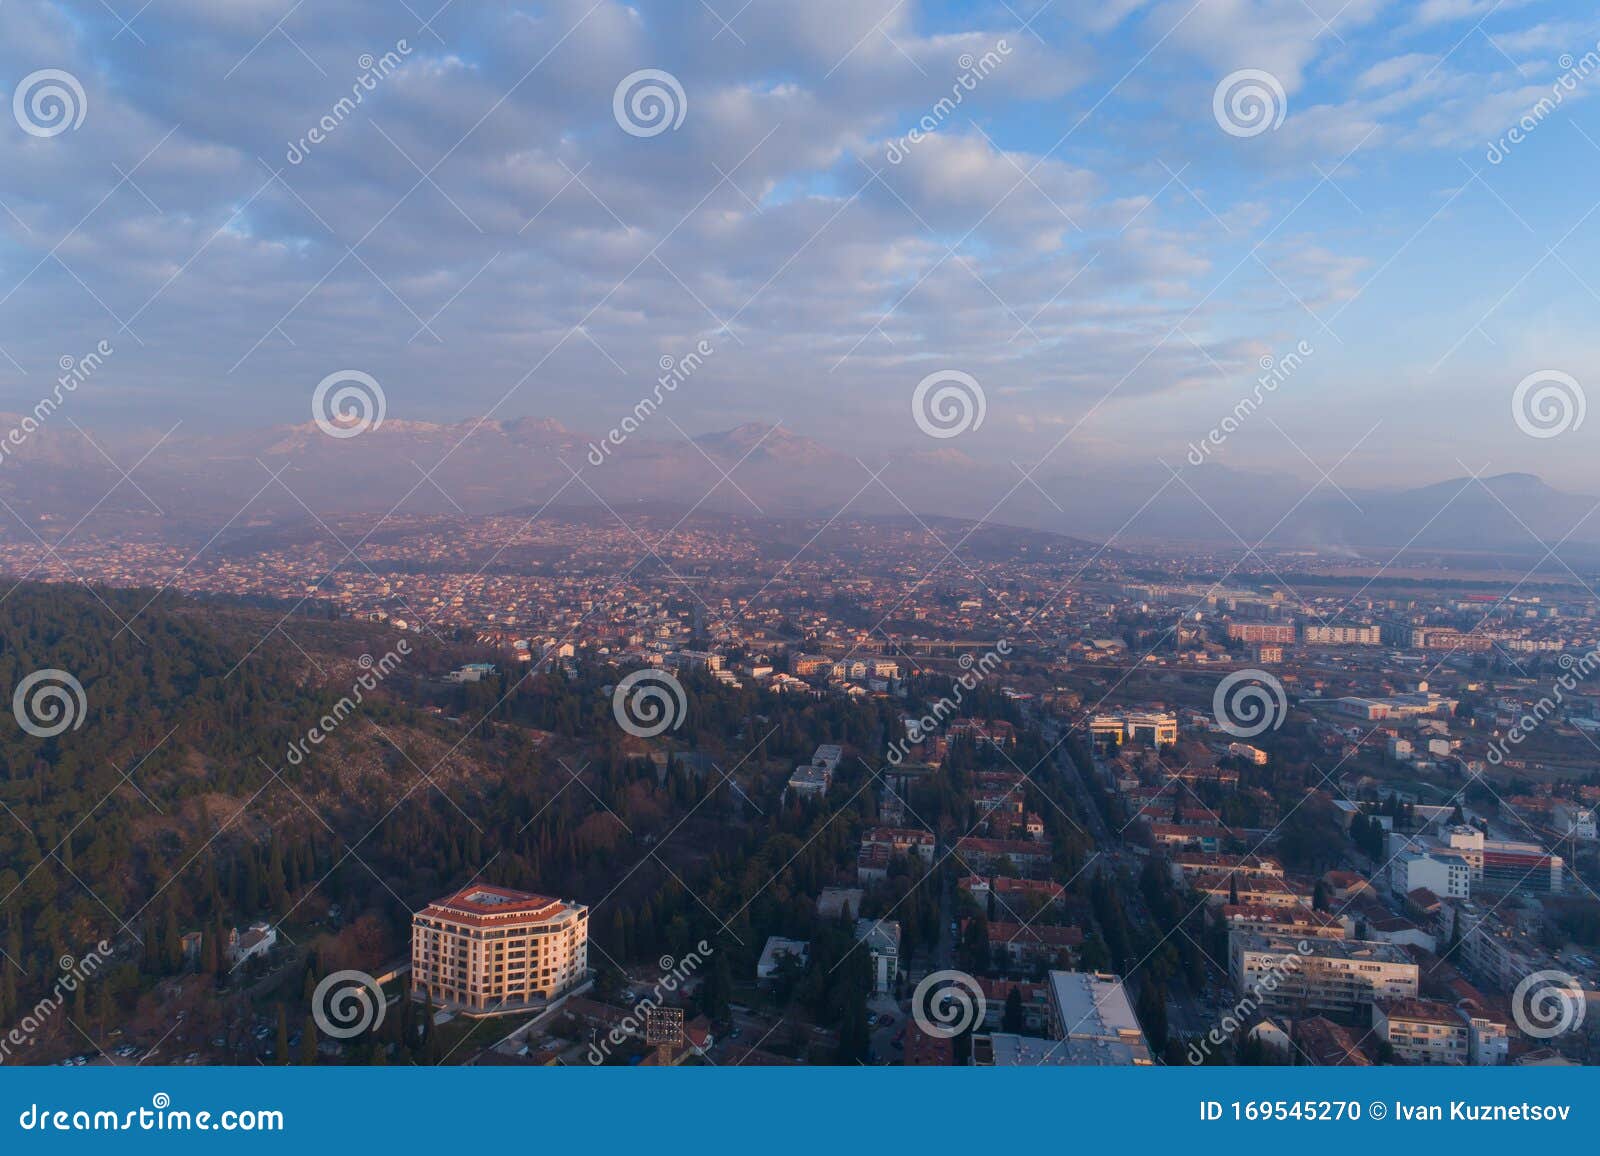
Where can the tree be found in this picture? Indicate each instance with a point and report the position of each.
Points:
(716, 989)
(855, 1035)
(1152, 1010)
(308, 1043)
(1011, 1018)
(283, 1035)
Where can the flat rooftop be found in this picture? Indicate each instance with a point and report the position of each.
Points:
(484, 903)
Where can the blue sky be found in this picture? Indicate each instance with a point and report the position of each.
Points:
(1080, 234)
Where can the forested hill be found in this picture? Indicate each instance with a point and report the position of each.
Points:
(171, 797)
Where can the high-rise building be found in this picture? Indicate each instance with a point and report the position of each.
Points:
(487, 950)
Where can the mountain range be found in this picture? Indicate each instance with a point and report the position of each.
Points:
(482, 467)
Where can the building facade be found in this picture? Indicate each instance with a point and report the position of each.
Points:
(488, 950)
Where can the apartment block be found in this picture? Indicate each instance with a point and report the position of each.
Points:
(489, 950)
(1330, 975)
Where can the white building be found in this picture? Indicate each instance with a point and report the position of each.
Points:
(828, 755)
(1093, 1007)
(256, 940)
(881, 939)
(1447, 875)
(810, 781)
(1574, 821)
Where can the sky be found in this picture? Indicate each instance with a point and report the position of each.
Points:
(1101, 221)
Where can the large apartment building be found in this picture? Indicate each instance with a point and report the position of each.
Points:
(1275, 632)
(1342, 635)
(488, 950)
(1329, 975)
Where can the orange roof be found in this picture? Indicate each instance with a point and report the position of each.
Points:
(486, 905)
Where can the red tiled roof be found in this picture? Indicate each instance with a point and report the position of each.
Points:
(485, 905)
